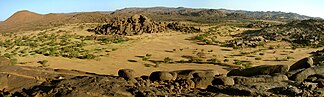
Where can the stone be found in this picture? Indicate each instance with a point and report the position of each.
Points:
(188, 74)
(161, 76)
(175, 75)
(127, 74)
(303, 63)
(223, 81)
(260, 79)
(202, 79)
(259, 70)
(289, 90)
(232, 90)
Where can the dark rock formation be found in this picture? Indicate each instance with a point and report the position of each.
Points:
(137, 25)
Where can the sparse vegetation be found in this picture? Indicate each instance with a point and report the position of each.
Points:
(167, 60)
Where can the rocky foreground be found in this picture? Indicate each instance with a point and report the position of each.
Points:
(304, 78)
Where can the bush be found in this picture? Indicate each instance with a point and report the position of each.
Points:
(145, 58)
(258, 58)
(236, 47)
(88, 56)
(167, 60)
(214, 60)
(43, 62)
(238, 62)
(226, 60)
(7, 55)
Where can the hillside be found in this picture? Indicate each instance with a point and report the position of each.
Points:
(26, 20)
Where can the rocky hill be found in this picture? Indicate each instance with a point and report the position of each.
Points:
(215, 13)
(139, 24)
(26, 20)
(299, 33)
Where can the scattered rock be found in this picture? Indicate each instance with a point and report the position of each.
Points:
(259, 24)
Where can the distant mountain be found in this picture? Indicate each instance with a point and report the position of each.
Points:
(235, 14)
(26, 20)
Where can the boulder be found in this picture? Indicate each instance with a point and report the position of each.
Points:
(302, 75)
(303, 63)
(232, 90)
(161, 76)
(188, 74)
(202, 79)
(175, 75)
(289, 90)
(223, 81)
(260, 79)
(259, 70)
(127, 74)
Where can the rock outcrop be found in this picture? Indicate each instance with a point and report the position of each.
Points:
(139, 24)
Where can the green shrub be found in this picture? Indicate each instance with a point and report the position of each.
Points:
(238, 62)
(13, 61)
(145, 58)
(236, 47)
(167, 60)
(88, 56)
(247, 65)
(7, 55)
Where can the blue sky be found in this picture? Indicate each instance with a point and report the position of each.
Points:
(305, 7)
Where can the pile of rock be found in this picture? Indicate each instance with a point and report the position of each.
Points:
(182, 28)
(251, 41)
(137, 25)
(259, 24)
